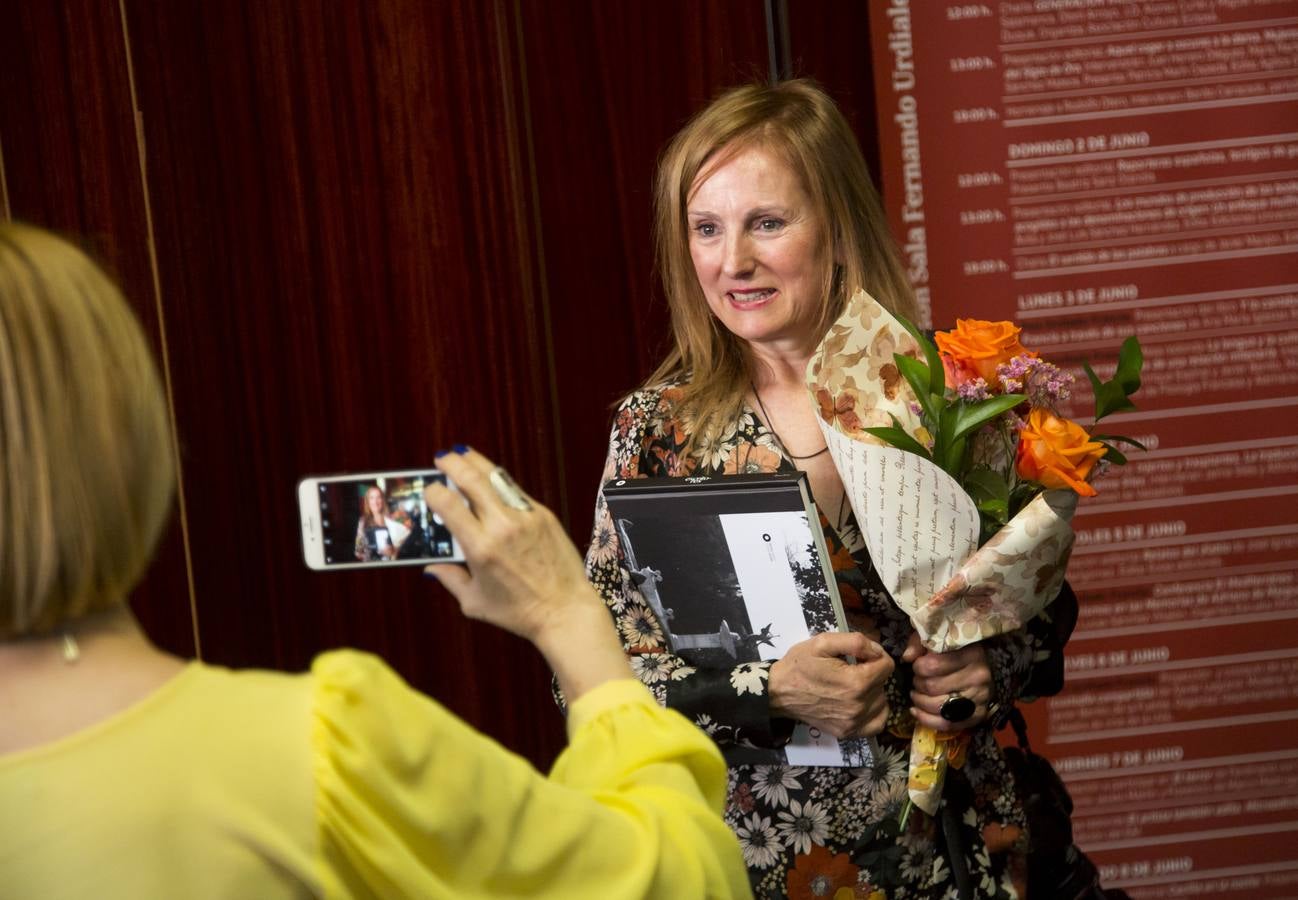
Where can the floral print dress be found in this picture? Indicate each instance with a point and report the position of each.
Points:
(819, 831)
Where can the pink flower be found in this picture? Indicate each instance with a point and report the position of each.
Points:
(973, 390)
(1043, 382)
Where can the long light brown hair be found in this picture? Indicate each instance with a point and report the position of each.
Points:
(367, 515)
(86, 464)
(800, 124)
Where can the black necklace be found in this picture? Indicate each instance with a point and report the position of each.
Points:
(770, 424)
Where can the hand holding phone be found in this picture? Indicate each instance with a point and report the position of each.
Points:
(523, 574)
(372, 520)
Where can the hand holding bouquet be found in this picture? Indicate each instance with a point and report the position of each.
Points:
(962, 474)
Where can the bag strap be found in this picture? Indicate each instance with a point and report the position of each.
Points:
(1020, 726)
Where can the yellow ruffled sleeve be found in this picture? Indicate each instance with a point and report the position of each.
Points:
(412, 802)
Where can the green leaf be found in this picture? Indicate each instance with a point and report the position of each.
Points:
(1131, 359)
(1022, 494)
(937, 375)
(1112, 455)
(953, 457)
(1102, 438)
(917, 375)
(984, 484)
(1114, 395)
(996, 510)
(943, 430)
(1025, 490)
(899, 439)
(1111, 398)
(971, 415)
(1092, 377)
(990, 493)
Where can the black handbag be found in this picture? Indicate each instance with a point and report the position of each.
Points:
(1057, 868)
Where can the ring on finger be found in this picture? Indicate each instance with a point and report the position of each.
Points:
(507, 490)
(957, 708)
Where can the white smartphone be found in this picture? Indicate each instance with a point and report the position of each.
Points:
(372, 520)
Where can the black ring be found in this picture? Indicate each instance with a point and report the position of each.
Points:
(956, 708)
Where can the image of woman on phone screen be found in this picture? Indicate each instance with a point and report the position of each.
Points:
(378, 535)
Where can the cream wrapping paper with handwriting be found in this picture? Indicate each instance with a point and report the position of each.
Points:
(920, 526)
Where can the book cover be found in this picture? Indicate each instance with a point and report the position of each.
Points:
(735, 569)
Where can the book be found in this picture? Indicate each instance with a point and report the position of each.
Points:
(735, 569)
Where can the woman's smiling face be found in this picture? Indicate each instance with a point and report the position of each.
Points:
(758, 252)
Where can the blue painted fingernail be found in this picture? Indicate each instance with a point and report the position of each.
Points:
(440, 453)
(460, 448)
(432, 575)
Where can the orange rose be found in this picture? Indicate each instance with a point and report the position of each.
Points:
(1057, 452)
(975, 348)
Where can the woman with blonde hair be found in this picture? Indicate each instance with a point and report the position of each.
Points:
(126, 772)
(378, 534)
(766, 223)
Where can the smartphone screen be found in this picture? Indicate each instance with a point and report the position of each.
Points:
(373, 520)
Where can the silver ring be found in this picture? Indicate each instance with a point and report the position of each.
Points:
(509, 493)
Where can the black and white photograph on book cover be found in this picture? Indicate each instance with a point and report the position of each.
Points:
(729, 588)
(734, 588)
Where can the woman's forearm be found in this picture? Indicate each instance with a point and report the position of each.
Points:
(583, 649)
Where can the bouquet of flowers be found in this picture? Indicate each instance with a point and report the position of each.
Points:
(962, 474)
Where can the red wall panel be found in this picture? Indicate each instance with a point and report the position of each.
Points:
(1128, 169)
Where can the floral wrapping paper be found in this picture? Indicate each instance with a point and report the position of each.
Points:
(919, 524)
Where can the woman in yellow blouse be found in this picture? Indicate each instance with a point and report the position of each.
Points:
(125, 772)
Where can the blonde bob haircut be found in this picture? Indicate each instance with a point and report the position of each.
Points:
(86, 465)
(799, 123)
